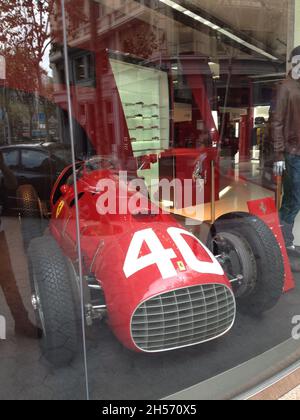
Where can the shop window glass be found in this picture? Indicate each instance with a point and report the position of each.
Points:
(143, 203)
(80, 69)
(34, 150)
(183, 92)
(11, 158)
(34, 161)
(83, 68)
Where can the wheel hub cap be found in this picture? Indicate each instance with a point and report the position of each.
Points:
(35, 301)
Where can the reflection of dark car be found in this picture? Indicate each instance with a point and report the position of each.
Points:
(36, 164)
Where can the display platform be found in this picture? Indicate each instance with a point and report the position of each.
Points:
(115, 372)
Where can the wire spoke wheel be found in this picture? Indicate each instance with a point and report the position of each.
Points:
(237, 260)
(251, 257)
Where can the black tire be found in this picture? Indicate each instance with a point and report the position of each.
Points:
(31, 214)
(268, 285)
(53, 290)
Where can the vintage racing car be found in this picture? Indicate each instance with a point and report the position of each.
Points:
(154, 281)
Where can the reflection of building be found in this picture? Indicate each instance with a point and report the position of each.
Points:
(155, 33)
(106, 28)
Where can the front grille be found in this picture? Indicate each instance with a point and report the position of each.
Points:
(183, 317)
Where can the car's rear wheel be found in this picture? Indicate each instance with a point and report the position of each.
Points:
(251, 257)
(53, 300)
(31, 214)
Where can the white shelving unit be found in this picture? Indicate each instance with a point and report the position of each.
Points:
(144, 94)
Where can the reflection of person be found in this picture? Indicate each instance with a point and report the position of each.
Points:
(9, 179)
(23, 326)
(286, 132)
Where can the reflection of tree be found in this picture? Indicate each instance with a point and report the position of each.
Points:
(21, 76)
(25, 26)
(26, 35)
(142, 40)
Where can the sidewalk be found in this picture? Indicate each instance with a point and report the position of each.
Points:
(287, 389)
(293, 395)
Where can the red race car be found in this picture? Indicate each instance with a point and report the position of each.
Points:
(157, 285)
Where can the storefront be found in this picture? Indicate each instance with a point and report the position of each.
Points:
(142, 255)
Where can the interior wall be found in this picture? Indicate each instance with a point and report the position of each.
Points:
(297, 23)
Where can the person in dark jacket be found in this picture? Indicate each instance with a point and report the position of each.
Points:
(23, 326)
(286, 135)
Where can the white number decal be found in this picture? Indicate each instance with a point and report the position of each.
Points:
(163, 257)
(190, 258)
(159, 255)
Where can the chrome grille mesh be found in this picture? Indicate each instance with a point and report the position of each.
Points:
(183, 318)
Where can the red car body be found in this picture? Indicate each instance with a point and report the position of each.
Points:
(163, 288)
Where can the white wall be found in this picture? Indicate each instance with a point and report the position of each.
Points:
(297, 23)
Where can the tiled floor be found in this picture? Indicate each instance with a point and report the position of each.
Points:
(239, 192)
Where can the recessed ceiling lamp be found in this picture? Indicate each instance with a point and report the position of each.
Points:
(215, 69)
(217, 28)
(225, 192)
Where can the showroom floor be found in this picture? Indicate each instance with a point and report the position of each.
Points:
(116, 373)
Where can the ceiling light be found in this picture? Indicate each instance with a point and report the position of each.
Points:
(215, 69)
(167, 203)
(174, 5)
(225, 192)
(215, 27)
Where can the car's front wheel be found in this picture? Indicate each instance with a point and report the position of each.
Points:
(31, 215)
(53, 300)
(251, 257)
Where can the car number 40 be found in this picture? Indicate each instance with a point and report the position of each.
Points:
(162, 257)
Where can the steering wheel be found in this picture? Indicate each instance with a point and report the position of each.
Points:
(99, 163)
